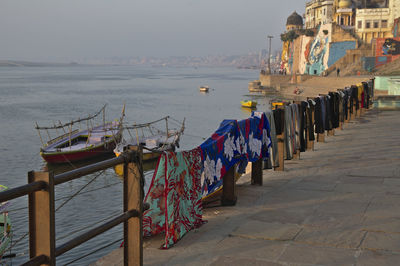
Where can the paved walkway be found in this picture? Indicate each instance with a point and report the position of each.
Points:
(338, 205)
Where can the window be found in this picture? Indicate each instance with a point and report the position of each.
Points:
(368, 24)
(376, 24)
(359, 24)
(324, 11)
(384, 23)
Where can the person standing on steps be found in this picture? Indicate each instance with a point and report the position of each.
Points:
(337, 72)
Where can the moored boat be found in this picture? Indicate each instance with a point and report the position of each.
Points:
(249, 104)
(152, 139)
(5, 226)
(79, 145)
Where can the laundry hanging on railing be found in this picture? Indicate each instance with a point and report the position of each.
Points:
(233, 142)
(174, 196)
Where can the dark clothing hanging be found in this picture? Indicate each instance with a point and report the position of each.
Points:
(328, 113)
(279, 124)
(303, 125)
(318, 116)
(354, 98)
(334, 108)
(310, 122)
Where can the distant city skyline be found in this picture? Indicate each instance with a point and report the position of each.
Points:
(67, 30)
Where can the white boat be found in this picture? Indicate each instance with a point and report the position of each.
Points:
(152, 139)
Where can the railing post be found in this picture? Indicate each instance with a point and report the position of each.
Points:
(133, 200)
(257, 173)
(41, 218)
(321, 137)
(229, 188)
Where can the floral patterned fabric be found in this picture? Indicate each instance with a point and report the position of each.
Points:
(233, 142)
(174, 196)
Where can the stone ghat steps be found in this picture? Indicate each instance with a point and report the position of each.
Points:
(333, 82)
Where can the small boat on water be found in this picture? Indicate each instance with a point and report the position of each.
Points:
(5, 226)
(152, 139)
(204, 88)
(78, 145)
(249, 104)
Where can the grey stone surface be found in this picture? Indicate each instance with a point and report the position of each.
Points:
(269, 231)
(382, 241)
(337, 205)
(315, 255)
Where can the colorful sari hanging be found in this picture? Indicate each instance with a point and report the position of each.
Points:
(174, 196)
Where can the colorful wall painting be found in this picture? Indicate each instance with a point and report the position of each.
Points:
(387, 50)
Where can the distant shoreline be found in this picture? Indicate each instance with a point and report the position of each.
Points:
(12, 63)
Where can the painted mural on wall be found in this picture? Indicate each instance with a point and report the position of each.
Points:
(338, 49)
(287, 57)
(387, 50)
(306, 43)
(318, 55)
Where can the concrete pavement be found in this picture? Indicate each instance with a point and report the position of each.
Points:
(337, 205)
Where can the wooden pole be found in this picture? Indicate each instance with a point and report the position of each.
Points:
(133, 200)
(256, 173)
(229, 188)
(281, 153)
(320, 137)
(41, 218)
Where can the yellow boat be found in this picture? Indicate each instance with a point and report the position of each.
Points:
(249, 104)
(276, 104)
(204, 88)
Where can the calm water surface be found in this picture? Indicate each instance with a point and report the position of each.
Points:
(43, 95)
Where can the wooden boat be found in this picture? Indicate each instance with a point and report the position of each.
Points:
(5, 226)
(276, 104)
(249, 104)
(204, 88)
(78, 145)
(152, 139)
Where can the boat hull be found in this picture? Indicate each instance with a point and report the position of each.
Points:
(249, 104)
(79, 155)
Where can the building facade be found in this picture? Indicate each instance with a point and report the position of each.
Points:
(373, 23)
(318, 12)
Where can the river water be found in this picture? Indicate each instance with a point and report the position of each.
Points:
(47, 94)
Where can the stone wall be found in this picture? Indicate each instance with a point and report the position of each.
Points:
(274, 81)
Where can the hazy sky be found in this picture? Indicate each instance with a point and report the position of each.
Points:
(73, 29)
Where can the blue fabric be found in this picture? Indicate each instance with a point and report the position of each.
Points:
(233, 142)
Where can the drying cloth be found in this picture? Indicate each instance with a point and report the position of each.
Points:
(233, 142)
(174, 196)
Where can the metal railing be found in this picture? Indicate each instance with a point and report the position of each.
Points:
(40, 191)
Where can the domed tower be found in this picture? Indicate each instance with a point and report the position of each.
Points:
(294, 22)
(344, 14)
(345, 4)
